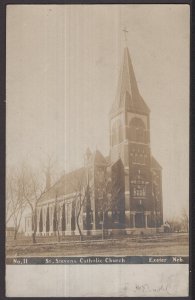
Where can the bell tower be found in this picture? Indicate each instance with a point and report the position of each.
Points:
(130, 140)
(129, 116)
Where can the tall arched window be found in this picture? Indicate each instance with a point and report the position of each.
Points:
(137, 130)
(117, 133)
(63, 218)
(47, 219)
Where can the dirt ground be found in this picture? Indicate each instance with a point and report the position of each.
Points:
(165, 244)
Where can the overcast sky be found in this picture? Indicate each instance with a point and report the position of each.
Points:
(62, 69)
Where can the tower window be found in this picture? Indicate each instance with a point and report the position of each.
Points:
(139, 188)
(137, 130)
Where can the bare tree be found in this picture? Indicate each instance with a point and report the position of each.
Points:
(15, 203)
(105, 205)
(175, 224)
(48, 168)
(33, 190)
(112, 192)
(79, 200)
(111, 200)
(180, 223)
(82, 194)
(185, 220)
(57, 215)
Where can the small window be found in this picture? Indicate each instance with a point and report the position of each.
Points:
(137, 130)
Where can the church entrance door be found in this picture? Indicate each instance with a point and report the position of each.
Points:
(139, 220)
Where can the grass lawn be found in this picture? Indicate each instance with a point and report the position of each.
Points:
(164, 244)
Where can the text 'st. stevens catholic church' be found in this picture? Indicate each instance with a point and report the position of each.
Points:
(123, 191)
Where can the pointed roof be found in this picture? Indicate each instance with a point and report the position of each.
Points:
(128, 95)
(98, 158)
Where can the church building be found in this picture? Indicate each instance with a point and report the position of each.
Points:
(119, 193)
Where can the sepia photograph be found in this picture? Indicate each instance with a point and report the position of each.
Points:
(97, 140)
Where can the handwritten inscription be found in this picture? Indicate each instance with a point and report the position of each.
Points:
(145, 288)
(166, 287)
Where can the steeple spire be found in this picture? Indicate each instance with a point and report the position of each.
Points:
(128, 95)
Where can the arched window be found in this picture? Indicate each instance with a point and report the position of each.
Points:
(41, 221)
(137, 130)
(68, 217)
(63, 218)
(47, 220)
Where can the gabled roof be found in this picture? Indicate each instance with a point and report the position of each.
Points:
(128, 95)
(97, 158)
(67, 184)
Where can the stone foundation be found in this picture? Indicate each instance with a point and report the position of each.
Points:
(107, 232)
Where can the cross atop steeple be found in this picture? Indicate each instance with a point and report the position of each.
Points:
(125, 34)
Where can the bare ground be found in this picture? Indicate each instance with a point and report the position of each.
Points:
(165, 244)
